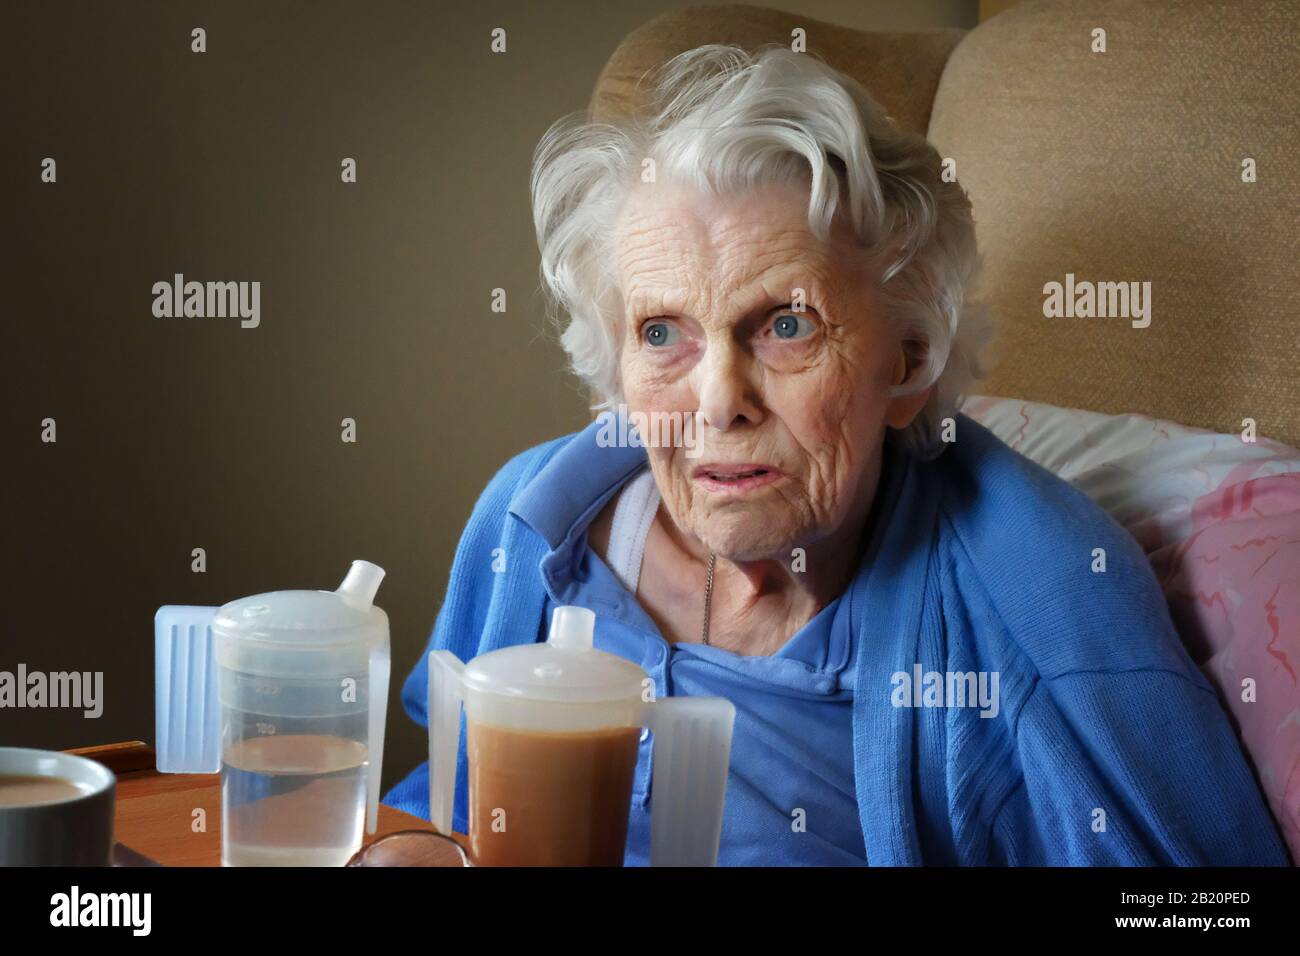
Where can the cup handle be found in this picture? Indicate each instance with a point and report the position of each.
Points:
(381, 666)
(187, 710)
(692, 752)
(445, 697)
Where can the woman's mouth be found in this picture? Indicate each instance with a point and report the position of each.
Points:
(734, 479)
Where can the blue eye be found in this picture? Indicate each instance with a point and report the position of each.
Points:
(788, 325)
(659, 334)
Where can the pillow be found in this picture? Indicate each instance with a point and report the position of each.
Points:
(1219, 519)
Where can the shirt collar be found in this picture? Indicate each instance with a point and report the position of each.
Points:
(590, 466)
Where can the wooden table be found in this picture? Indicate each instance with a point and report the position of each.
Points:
(155, 811)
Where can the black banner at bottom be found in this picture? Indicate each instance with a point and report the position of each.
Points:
(375, 905)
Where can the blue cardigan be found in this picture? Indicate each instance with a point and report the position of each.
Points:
(1108, 745)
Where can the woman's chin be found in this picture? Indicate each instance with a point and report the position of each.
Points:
(748, 540)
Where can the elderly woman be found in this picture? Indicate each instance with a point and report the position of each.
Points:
(838, 549)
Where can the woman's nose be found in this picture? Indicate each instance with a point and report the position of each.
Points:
(726, 393)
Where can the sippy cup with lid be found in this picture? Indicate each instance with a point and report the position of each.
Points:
(285, 694)
(552, 737)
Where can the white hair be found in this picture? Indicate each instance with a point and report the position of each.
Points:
(726, 122)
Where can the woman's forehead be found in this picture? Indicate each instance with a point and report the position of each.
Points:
(659, 223)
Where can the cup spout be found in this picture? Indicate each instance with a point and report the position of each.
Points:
(361, 584)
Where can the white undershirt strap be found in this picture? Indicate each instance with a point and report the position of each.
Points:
(637, 504)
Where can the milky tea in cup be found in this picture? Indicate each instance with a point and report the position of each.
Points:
(56, 809)
(549, 799)
(25, 790)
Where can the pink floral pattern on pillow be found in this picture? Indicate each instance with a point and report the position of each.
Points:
(1234, 593)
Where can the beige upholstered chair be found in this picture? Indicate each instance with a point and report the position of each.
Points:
(1117, 166)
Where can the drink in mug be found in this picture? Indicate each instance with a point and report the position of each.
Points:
(56, 809)
(28, 790)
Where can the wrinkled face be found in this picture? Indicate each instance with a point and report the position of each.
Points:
(794, 403)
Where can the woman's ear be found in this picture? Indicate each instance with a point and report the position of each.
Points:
(900, 368)
(903, 408)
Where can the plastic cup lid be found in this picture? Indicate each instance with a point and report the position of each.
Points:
(310, 618)
(567, 667)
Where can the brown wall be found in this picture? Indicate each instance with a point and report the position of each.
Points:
(182, 433)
